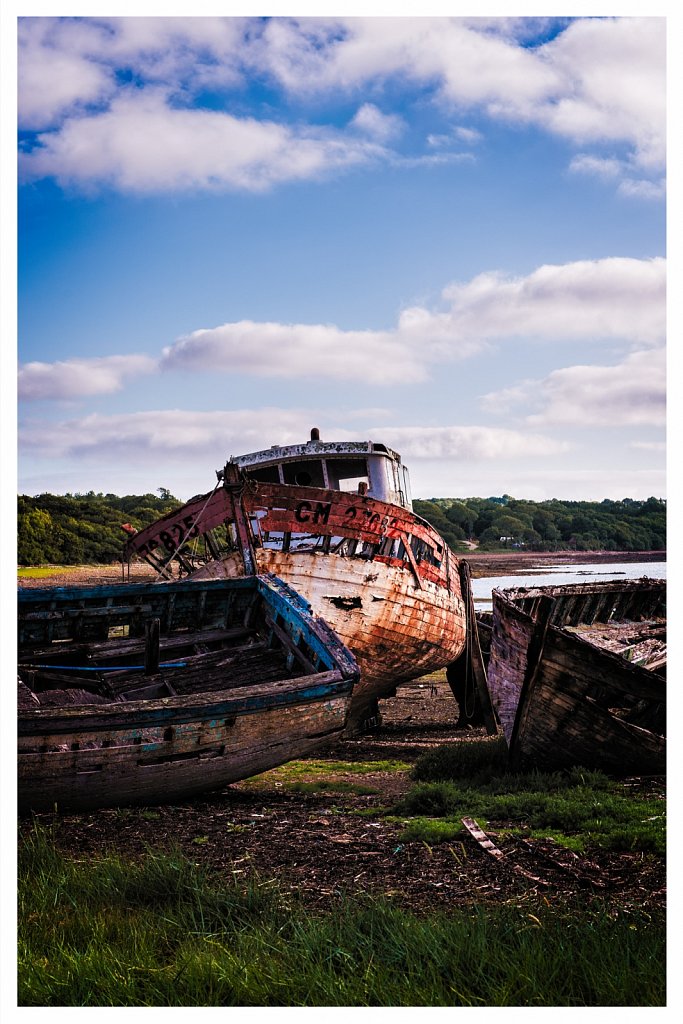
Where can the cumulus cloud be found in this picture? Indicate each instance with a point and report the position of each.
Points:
(614, 300)
(596, 81)
(468, 443)
(172, 433)
(608, 299)
(595, 166)
(77, 378)
(630, 394)
(370, 120)
(642, 188)
(595, 299)
(295, 351)
(614, 84)
(143, 144)
(56, 74)
(610, 169)
(216, 435)
(66, 63)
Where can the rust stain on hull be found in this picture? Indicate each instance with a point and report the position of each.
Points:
(395, 631)
(383, 578)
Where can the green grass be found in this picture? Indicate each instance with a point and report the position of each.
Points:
(315, 776)
(577, 808)
(316, 766)
(161, 932)
(481, 757)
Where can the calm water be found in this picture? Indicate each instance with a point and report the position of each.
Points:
(559, 575)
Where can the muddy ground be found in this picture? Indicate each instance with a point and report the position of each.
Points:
(319, 845)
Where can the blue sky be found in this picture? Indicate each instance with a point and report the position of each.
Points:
(447, 234)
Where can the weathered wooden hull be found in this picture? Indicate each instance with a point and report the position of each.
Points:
(382, 577)
(173, 749)
(562, 700)
(395, 631)
(263, 682)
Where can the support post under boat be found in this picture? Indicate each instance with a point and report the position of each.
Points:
(467, 675)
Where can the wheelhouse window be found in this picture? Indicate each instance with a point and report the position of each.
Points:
(308, 473)
(347, 474)
(265, 474)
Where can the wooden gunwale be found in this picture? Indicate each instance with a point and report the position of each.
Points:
(177, 710)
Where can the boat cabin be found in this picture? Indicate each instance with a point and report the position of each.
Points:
(355, 466)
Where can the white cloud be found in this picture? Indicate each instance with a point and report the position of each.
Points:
(297, 350)
(214, 436)
(614, 84)
(76, 378)
(609, 299)
(599, 80)
(642, 188)
(595, 299)
(69, 61)
(610, 169)
(54, 77)
(171, 433)
(595, 166)
(615, 300)
(370, 120)
(630, 394)
(142, 144)
(468, 443)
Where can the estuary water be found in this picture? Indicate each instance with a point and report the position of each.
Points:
(559, 575)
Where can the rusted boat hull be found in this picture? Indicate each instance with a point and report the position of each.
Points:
(382, 577)
(245, 679)
(561, 698)
(395, 631)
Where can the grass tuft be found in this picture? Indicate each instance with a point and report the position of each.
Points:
(477, 759)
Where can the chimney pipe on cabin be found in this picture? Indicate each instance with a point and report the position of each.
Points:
(315, 434)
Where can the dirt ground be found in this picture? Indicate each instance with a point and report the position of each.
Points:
(319, 845)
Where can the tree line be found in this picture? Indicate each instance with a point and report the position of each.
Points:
(506, 522)
(83, 529)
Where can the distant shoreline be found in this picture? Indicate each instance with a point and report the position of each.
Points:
(485, 563)
(502, 563)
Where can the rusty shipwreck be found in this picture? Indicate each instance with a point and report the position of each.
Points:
(141, 693)
(577, 675)
(335, 521)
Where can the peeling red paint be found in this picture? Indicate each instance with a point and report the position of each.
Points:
(382, 577)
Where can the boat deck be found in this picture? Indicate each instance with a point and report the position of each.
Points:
(640, 643)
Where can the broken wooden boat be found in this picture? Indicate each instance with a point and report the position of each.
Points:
(335, 521)
(148, 693)
(577, 675)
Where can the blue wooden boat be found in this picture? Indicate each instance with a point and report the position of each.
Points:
(150, 693)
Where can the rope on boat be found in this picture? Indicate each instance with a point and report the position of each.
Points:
(180, 547)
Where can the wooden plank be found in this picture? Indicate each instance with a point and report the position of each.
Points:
(493, 851)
